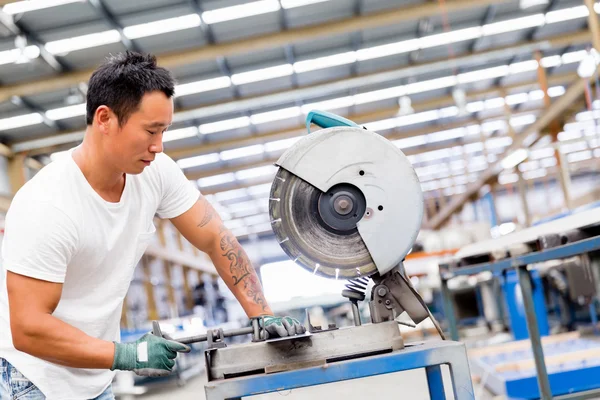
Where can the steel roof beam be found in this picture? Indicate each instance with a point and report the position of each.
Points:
(279, 39)
(489, 16)
(524, 140)
(108, 16)
(19, 29)
(54, 143)
(268, 160)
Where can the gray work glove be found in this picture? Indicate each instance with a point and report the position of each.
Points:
(281, 327)
(150, 355)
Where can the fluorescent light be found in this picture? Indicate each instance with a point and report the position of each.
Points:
(573, 147)
(262, 74)
(433, 155)
(231, 194)
(178, 134)
(498, 142)
(524, 4)
(567, 14)
(256, 172)
(258, 190)
(473, 130)
(241, 231)
(417, 118)
(162, 26)
(21, 7)
(447, 112)
(341, 102)
(242, 152)
(216, 180)
(569, 135)
(283, 113)
(514, 24)
(574, 57)
(529, 166)
(257, 219)
(325, 62)
(198, 160)
(390, 49)
(240, 11)
(524, 66)
(551, 61)
(20, 121)
(410, 142)
(539, 173)
(514, 158)
(299, 3)
(64, 46)
(483, 74)
(202, 86)
(517, 98)
(472, 148)
(495, 102)
(225, 125)
(450, 37)
(588, 66)
(235, 224)
(11, 56)
(491, 126)
(475, 106)
(504, 179)
(446, 135)
(537, 154)
(432, 84)
(66, 112)
(377, 95)
(523, 120)
(281, 144)
(548, 162)
(556, 91)
(382, 125)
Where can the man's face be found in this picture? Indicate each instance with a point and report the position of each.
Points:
(133, 146)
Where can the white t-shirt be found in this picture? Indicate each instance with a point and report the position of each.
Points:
(59, 229)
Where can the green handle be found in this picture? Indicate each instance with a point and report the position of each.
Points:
(326, 119)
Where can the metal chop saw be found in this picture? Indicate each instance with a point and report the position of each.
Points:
(344, 204)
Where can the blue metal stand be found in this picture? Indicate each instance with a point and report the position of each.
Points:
(520, 264)
(427, 355)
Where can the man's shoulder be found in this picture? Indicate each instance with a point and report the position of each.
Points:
(52, 186)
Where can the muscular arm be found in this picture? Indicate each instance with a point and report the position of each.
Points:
(203, 227)
(35, 331)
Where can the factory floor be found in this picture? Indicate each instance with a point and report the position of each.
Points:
(411, 384)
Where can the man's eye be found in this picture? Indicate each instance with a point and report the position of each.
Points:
(150, 132)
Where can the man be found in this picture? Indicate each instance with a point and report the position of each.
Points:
(76, 231)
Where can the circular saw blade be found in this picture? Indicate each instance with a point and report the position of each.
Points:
(303, 237)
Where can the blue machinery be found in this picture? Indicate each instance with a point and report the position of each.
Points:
(429, 356)
(520, 264)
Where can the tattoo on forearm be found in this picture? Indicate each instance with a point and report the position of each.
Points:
(208, 213)
(241, 270)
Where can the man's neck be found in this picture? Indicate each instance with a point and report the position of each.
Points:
(104, 179)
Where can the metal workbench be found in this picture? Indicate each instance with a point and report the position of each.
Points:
(430, 355)
(521, 263)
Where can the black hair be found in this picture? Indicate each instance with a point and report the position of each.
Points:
(121, 82)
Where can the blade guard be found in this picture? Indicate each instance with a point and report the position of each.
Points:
(380, 170)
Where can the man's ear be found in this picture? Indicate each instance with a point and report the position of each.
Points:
(104, 119)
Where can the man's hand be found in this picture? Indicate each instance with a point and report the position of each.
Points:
(281, 326)
(150, 355)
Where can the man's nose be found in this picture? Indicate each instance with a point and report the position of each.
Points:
(157, 145)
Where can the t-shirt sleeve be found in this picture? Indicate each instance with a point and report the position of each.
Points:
(178, 193)
(39, 241)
